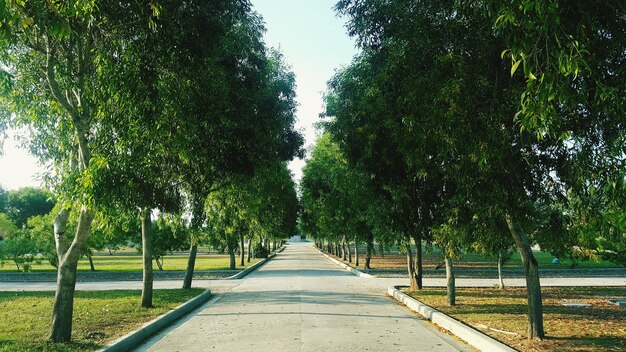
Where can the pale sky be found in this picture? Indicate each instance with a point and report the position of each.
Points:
(314, 42)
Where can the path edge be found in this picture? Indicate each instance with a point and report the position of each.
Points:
(248, 270)
(150, 328)
(356, 272)
(466, 333)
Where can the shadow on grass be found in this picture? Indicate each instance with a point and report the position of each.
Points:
(602, 343)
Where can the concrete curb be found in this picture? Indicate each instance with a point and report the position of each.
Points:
(252, 268)
(148, 329)
(356, 272)
(470, 335)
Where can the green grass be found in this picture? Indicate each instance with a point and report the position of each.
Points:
(130, 263)
(601, 327)
(99, 317)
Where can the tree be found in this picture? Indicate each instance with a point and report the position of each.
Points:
(448, 112)
(265, 205)
(50, 70)
(24, 203)
(338, 200)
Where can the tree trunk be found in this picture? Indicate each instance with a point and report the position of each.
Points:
(533, 286)
(249, 248)
(191, 263)
(381, 249)
(451, 283)
(411, 266)
(146, 246)
(159, 262)
(368, 254)
(242, 242)
(419, 270)
(69, 254)
(349, 250)
(500, 263)
(91, 266)
(231, 253)
(356, 251)
(344, 253)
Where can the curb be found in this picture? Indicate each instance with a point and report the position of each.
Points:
(252, 268)
(356, 272)
(468, 334)
(148, 329)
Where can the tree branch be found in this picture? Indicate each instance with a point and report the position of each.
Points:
(54, 85)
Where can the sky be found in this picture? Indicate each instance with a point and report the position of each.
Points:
(314, 43)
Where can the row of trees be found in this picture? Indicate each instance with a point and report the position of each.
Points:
(142, 106)
(462, 121)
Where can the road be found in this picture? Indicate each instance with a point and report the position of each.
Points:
(300, 301)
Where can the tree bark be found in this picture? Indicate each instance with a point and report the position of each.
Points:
(356, 251)
(349, 250)
(368, 254)
(419, 270)
(69, 254)
(249, 249)
(500, 263)
(146, 246)
(91, 266)
(450, 281)
(242, 244)
(231, 253)
(411, 267)
(344, 253)
(191, 263)
(533, 286)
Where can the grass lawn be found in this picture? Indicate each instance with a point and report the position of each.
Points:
(99, 317)
(477, 261)
(128, 263)
(601, 327)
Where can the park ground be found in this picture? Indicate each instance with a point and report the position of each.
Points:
(302, 289)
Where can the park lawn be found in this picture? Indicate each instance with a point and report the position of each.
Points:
(477, 261)
(131, 263)
(601, 327)
(99, 317)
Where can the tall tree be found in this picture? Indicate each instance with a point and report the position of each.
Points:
(24, 203)
(49, 54)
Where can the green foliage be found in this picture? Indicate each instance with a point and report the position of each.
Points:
(24, 203)
(20, 249)
(41, 231)
(336, 199)
(7, 227)
(264, 206)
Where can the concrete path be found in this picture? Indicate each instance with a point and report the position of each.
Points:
(301, 301)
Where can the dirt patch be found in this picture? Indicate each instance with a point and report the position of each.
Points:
(601, 327)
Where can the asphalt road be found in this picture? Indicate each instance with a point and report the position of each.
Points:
(300, 301)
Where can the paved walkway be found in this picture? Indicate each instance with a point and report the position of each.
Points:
(301, 301)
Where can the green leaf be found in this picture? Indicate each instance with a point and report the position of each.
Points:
(515, 66)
